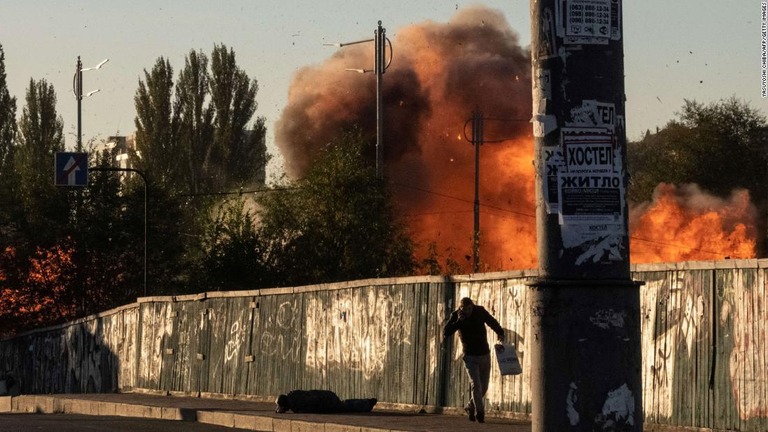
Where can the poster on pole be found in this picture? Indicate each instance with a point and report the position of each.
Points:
(591, 207)
(589, 185)
(588, 22)
(589, 198)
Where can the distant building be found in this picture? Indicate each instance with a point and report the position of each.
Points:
(122, 148)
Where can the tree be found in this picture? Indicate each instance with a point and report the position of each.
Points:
(40, 136)
(43, 296)
(107, 233)
(195, 145)
(206, 126)
(720, 147)
(156, 140)
(175, 228)
(233, 251)
(195, 119)
(8, 201)
(335, 224)
(251, 165)
(238, 154)
(7, 124)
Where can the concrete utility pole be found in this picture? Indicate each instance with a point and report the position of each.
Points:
(585, 351)
(477, 141)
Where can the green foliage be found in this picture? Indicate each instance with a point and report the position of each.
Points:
(250, 167)
(108, 239)
(233, 250)
(720, 147)
(40, 137)
(70, 252)
(194, 119)
(156, 141)
(7, 125)
(335, 224)
(200, 143)
(234, 153)
(173, 233)
(206, 127)
(8, 179)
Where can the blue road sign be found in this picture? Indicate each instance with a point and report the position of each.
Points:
(71, 169)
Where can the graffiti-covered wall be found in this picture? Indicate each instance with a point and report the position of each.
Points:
(705, 352)
(705, 357)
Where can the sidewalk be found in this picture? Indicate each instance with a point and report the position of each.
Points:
(248, 415)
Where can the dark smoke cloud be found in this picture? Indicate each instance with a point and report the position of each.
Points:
(440, 73)
(439, 69)
(325, 100)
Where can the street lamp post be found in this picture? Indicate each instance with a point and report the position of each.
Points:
(77, 88)
(380, 65)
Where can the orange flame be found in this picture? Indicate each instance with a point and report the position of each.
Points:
(683, 224)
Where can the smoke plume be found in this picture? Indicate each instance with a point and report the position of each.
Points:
(440, 73)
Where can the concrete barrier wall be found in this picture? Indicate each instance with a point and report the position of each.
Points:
(705, 357)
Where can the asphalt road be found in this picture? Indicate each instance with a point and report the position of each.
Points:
(80, 423)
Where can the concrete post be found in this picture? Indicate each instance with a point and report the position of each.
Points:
(585, 352)
(380, 66)
(477, 141)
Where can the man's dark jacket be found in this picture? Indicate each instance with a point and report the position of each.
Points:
(474, 340)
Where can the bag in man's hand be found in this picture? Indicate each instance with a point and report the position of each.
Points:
(506, 356)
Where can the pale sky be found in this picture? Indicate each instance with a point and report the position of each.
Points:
(674, 49)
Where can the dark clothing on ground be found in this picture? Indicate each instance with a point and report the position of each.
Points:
(321, 401)
(472, 332)
(314, 401)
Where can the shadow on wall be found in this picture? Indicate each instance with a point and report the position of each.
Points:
(72, 358)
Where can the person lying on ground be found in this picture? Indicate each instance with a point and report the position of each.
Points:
(320, 402)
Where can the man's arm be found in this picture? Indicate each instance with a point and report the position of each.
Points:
(451, 326)
(494, 325)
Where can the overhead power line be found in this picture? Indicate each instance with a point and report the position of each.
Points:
(444, 195)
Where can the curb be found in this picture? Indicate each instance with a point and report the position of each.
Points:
(57, 405)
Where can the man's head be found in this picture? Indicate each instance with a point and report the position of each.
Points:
(282, 404)
(466, 305)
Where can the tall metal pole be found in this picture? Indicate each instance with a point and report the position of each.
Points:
(79, 96)
(379, 66)
(585, 351)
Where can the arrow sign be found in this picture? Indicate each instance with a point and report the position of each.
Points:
(71, 169)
